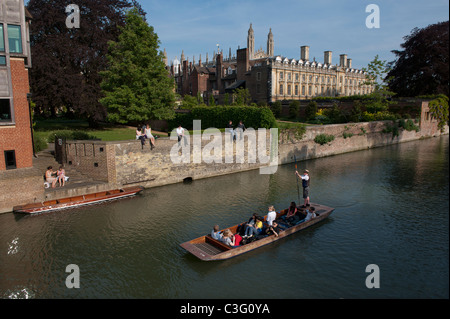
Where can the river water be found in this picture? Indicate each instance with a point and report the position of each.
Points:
(391, 210)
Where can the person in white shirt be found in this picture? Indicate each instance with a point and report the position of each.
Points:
(148, 134)
(180, 134)
(305, 183)
(271, 216)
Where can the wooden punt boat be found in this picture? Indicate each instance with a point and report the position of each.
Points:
(77, 201)
(207, 248)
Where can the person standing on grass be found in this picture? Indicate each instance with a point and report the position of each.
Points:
(305, 183)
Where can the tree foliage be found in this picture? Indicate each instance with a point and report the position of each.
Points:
(136, 85)
(66, 62)
(439, 110)
(422, 66)
(376, 76)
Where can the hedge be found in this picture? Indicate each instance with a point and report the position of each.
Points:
(219, 116)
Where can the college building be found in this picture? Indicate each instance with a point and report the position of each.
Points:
(268, 77)
(16, 146)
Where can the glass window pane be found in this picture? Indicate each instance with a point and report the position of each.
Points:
(2, 60)
(2, 40)
(5, 110)
(14, 39)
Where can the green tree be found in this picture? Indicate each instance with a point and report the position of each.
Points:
(376, 76)
(294, 106)
(189, 102)
(422, 66)
(136, 84)
(241, 97)
(276, 108)
(311, 110)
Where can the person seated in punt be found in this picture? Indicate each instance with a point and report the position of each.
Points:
(231, 240)
(273, 229)
(310, 213)
(215, 233)
(254, 229)
(292, 210)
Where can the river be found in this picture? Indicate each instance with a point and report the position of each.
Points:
(391, 205)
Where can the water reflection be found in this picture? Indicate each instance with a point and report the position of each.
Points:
(391, 209)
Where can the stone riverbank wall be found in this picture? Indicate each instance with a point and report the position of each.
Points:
(126, 163)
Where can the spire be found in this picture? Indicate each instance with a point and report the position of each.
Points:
(165, 58)
(251, 42)
(270, 44)
(182, 56)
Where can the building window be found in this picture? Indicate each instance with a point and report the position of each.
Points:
(10, 159)
(258, 76)
(2, 40)
(310, 90)
(2, 60)
(14, 39)
(296, 76)
(296, 90)
(281, 75)
(303, 90)
(5, 110)
(289, 89)
(289, 76)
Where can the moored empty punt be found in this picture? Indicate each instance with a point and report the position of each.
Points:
(76, 201)
(207, 248)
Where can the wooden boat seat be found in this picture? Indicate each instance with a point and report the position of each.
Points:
(217, 243)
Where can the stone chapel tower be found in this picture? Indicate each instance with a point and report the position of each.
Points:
(251, 42)
(270, 44)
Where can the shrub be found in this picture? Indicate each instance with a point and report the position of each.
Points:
(39, 143)
(311, 110)
(323, 138)
(276, 108)
(294, 106)
(69, 135)
(218, 117)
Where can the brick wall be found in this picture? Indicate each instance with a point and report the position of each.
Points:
(18, 137)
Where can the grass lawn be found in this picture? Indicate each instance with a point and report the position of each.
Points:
(50, 127)
(45, 128)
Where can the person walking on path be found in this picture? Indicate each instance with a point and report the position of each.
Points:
(305, 183)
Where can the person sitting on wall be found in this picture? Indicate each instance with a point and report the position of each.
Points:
(140, 136)
(148, 134)
(49, 176)
(240, 128)
(61, 176)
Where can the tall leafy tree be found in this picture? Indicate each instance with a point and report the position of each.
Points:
(422, 66)
(66, 61)
(136, 85)
(376, 76)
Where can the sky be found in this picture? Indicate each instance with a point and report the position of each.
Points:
(197, 26)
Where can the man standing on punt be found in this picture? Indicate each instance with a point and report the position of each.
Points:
(305, 183)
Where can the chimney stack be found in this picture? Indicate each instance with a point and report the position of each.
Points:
(327, 57)
(304, 53)
(343, 60)
(349, 63)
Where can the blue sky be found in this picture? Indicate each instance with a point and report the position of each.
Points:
(196, 26)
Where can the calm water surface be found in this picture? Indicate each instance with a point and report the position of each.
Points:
(391, 210)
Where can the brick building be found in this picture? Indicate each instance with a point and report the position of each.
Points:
(268, 77)
(16, 147)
